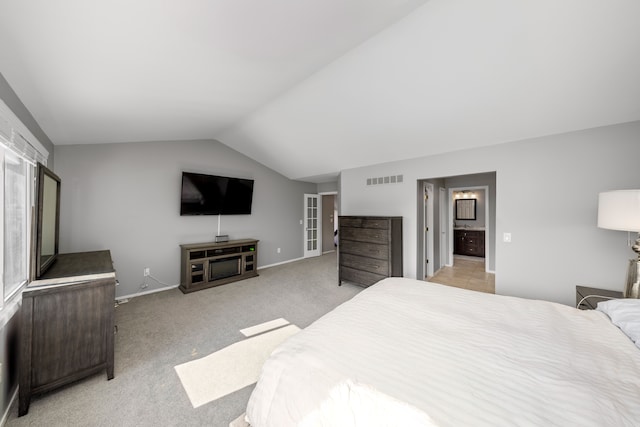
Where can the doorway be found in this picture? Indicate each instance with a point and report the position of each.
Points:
(478, 193)
(329, 222)
(437, 217)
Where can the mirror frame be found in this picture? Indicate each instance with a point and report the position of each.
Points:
(40, 265)
(460, 208)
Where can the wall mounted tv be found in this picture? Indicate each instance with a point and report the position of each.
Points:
(215, 195)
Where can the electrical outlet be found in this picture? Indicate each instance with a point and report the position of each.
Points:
(278, 250)
(147, 272)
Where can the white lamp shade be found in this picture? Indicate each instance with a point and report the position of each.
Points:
(619, 210)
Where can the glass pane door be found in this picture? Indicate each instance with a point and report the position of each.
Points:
(312, 226)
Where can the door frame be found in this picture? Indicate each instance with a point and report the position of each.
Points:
(427, 229)
(444, 229)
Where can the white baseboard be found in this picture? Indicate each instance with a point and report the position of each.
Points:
(5, 416)
(280, 263)
(150, 291)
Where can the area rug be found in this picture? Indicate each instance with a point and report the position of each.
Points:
(239, 422)
(231, 368)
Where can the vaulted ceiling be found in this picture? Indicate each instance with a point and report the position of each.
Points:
(313, 87)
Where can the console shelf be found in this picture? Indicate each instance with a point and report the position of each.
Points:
(204, 265)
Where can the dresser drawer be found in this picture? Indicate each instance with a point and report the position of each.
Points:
(378, 266)
(372, 250)
(364, 278)
(469, 242)
(370, 235)
(359, 222)
(350, 221)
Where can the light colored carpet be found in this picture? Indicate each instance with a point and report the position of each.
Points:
(230, 369)
(159, 331)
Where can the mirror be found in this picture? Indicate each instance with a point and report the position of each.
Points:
(466, 209)
(47, 218)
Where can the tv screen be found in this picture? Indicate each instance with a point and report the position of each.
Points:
(215, 195)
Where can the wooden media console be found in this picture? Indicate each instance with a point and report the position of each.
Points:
(204, 265)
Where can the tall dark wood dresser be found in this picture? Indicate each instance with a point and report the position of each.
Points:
(370, 248)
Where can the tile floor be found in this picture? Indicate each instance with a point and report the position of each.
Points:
(466, 273)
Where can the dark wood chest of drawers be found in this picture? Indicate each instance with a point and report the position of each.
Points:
(67, 324)
(468, 242)
(370, 248)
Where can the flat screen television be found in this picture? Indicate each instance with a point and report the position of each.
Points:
(215, 195)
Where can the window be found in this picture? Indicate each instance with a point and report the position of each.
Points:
(16, 219)
(18, 157)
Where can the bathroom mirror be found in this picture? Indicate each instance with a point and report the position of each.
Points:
(466, 209)
(47, 219)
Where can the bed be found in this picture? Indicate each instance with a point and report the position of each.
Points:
(411, 353)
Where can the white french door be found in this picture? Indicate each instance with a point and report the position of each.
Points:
(312, 225)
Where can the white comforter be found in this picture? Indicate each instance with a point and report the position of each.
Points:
(411, 353)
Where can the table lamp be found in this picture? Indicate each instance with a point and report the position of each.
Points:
(620, 210)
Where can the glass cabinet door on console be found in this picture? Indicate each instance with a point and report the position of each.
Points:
(198, 266)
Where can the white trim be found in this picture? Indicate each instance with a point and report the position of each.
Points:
(5, 416)
(151, 291)
(444, 230)
(21, 129)
(10, 308)
(427, 223)
(280, 263)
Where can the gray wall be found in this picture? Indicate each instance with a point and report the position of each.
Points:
(546, 197)
(126, 198)
(328, 187)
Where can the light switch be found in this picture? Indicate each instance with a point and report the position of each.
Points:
(506, 237)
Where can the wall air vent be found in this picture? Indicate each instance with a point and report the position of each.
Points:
(393, 179)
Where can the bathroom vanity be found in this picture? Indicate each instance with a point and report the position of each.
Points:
(468, 241)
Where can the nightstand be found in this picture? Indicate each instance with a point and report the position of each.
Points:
(591, 303)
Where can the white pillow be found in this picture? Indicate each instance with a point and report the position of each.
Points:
(625, 314)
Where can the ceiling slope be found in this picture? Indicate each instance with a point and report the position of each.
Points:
(311, 88)
(145, 70)
(455, 75)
